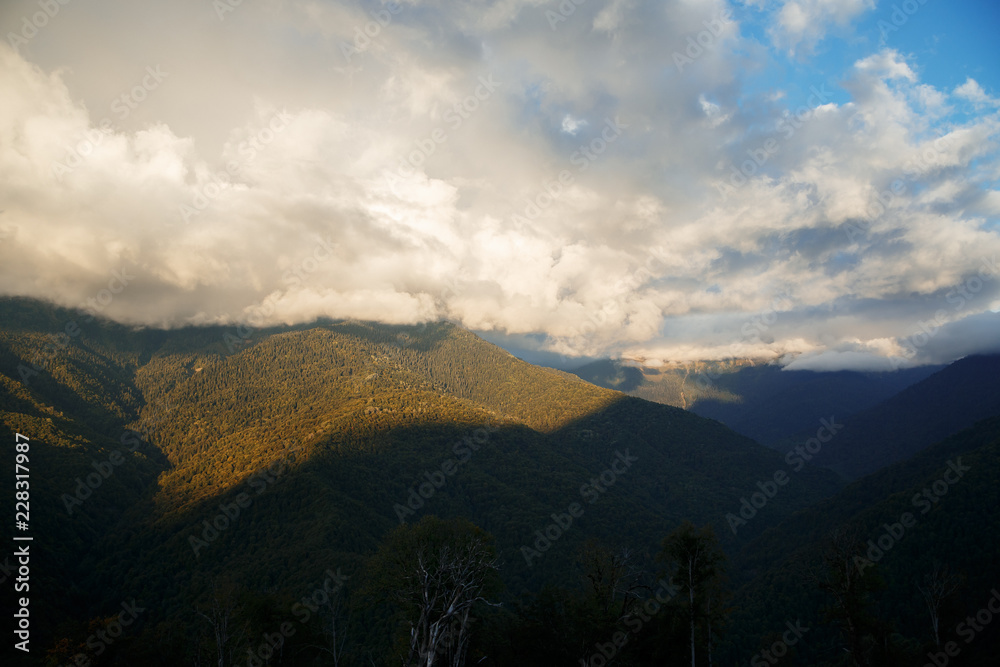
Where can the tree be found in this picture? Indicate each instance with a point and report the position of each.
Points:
(334, 622)
(716, 611)
(221, 614)
(615, 578)
(939, 584)
(436, 572)
(696, 564)
(850, 580)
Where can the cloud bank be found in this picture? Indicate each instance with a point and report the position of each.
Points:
(598, 178)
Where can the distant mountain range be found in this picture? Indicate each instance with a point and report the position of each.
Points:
(895, 429)
(759, 399)
(888, 416)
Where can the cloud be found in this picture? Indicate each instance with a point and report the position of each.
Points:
(801, 24)
(888, 64)
(610, 18)
(975, 334)
(572, 125)
(835, 360)
(555, 188)
(973, 92)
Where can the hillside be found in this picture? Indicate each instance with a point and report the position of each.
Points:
(951, 399)
(760, 400)
(319, 435)
(944, 488)
(681, 386)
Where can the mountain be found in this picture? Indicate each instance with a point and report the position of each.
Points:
(951, 399)
(167, 466)
(761, 400)
(945, 490)
(677, 385)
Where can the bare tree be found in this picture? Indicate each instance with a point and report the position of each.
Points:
(334, 626)
(614, 577)
(447, 584)
(436, 572)
(221, 612)
(939, 584)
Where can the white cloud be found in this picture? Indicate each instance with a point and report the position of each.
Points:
(572, 125)
(973, 92)
(934, 102)
(888, 64)
(801, 24)
(713, 112)
(611, 16)
(439, 174)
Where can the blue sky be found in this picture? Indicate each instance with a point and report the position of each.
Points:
(944, 43)
(556, 176)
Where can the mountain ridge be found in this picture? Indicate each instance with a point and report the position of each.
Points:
(335, 424)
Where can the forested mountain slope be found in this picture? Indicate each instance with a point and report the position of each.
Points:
(896, 526)
(269, 457)
(761, 400)
(954, 398)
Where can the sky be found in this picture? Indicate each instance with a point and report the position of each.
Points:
(812, 181)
